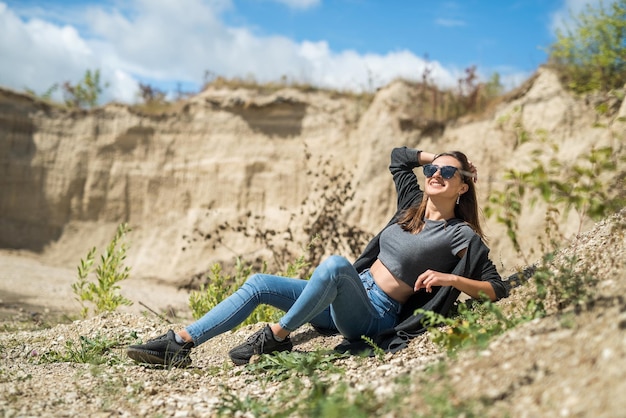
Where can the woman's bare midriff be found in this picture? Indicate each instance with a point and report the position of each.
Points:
(394, 288)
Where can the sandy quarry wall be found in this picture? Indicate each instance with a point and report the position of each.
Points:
(187, 179)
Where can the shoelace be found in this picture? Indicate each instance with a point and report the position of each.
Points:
(165, 337)
(254, 338)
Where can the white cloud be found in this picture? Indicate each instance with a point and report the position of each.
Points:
(350, 70)
(160, 42)
(37, 54)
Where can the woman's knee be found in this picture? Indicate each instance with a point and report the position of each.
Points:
(255, 283)
(331, 268)
(336, 263)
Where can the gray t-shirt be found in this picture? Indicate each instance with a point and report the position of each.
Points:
(408, 255)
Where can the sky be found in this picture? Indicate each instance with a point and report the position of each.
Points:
(357, 45)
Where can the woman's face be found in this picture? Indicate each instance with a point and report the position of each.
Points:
(437, 186)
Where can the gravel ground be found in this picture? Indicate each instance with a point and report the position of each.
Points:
(570, 363)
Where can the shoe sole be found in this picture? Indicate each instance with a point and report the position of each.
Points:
(242, 361)
(239, 362)
(152, 357)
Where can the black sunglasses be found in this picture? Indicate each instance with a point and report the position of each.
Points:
(447, 171)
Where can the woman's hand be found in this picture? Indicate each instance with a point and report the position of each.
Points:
(425, 157)
(473, 170)
(474, 288)
(431, 278)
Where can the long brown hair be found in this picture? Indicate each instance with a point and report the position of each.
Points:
(412, 219)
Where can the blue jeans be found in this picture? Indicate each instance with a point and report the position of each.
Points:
(335, 298)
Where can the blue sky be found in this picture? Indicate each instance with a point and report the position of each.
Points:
(344, 44)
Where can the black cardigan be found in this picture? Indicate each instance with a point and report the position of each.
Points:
(475, 264)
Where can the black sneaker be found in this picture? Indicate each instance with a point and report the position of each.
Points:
(162, 350)
(261, 342)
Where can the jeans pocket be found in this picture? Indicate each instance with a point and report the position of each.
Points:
(383, 303)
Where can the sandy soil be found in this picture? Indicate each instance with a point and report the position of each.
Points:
(29, 284)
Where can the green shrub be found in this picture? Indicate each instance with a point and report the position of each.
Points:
(559, 285)
(562, 285)
(103, 293)
(562, 187)
(474, 325)
(591, 55)
(85, 93)
(219, 286)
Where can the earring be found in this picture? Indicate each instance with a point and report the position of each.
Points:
(458, 198)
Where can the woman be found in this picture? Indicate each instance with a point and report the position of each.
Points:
(415, 253)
